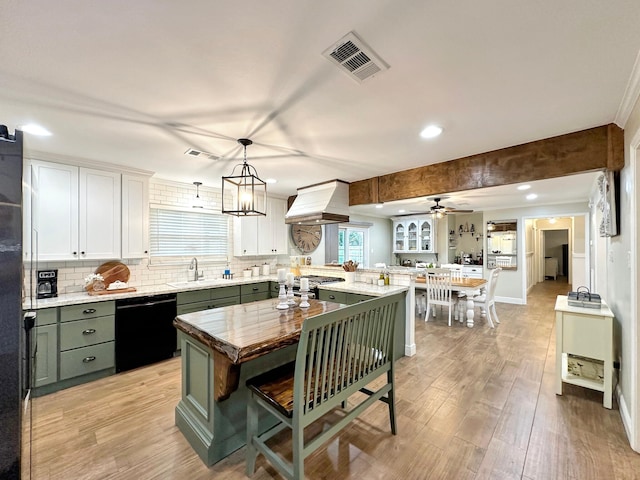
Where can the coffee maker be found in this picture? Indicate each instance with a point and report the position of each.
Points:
(47, 284)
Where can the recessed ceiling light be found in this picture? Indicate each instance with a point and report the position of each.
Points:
(431, 131)
(271, 180)
(524, 187)
(531, 196)
(34, 129)
(379, 205)
(401, 210)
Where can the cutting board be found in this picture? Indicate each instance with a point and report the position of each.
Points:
(112, 271)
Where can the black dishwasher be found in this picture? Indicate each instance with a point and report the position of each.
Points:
(144, 330)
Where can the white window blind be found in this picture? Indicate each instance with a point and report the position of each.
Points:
(179, 233)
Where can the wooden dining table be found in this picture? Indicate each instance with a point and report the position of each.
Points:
(469, 286)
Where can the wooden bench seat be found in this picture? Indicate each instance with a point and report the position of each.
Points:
(340, 353)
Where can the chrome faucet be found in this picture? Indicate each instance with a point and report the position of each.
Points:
(194, 266)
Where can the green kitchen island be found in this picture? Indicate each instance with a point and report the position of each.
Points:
(221, 349)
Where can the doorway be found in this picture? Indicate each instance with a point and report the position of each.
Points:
(556, 255)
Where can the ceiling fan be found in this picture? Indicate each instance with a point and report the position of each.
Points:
(440, 210)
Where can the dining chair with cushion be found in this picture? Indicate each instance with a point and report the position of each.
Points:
(438, 291)
(486, 301)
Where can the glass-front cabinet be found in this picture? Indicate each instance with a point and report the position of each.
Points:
(426, 236)
(413, 235)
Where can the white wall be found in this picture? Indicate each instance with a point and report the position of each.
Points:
(622, 286)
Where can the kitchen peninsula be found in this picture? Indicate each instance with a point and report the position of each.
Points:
(222, 348)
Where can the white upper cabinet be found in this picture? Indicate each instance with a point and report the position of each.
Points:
(262, 235)
(413, 235)
(273, 240)
(135, 216)
(100, 215)
(74, 214)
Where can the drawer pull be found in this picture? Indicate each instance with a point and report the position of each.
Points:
(332, 297)
(89, 331)
(255, 289)
(88, 359)
(89, 310)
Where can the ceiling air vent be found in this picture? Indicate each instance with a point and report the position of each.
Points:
(197, 153)
(355, 58)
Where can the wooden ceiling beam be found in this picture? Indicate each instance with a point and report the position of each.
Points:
(599, 148)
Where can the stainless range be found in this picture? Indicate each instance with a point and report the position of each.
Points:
(314, 282)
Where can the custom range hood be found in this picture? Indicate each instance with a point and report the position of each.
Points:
(320, 204)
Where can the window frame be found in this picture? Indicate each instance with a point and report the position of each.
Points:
(163, 259)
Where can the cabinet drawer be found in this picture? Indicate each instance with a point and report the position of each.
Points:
(223, 302)
(193, 307)
(331, 296)
(46, 316)
(357, 298)
(254, 297)
(86, 360)
(253, 288)
(83, 333)
(87, 310)
(275, 289)
(224, 292)
(194, 296)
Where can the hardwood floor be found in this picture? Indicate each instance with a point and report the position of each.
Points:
(472, 404)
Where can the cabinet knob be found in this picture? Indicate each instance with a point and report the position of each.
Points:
(255, 289)
(81, 253)
(332, 297)
(89, 331)
(75, 253)
(88, 359)
(89, 310)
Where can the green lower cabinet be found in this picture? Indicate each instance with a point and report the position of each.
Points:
(343, 297)
(46, 359)
(332, 296)
(274, 288)
(85, 360)
(193, 307)
(357, 298)
(253, 292)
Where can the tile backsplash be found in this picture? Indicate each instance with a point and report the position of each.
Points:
(71, 274)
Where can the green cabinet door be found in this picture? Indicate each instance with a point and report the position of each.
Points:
(46, 358)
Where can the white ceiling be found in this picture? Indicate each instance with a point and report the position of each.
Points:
(137, 83)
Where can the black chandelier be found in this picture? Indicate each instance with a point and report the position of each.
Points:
(245, 194)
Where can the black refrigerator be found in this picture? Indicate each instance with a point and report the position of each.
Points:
(12, 336)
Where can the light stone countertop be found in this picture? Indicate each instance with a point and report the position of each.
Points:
(364, 288)
(84, 297)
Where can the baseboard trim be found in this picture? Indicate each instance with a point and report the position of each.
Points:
(513, 300)
(626, 419)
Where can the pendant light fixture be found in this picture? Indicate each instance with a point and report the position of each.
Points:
(197, 202)
(245, 194)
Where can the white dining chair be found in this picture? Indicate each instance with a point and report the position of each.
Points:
(486, 301)
(456, 276)
(438, 291)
